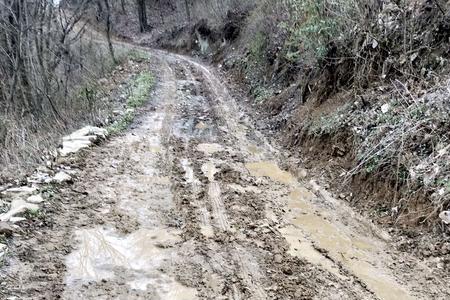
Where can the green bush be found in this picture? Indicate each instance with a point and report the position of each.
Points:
(309, 29)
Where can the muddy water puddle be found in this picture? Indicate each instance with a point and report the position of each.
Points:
(210, 149)
(308, 231)
(201, 125)
(103, 254)
(271, 170)
(254, 150)
(209, 170)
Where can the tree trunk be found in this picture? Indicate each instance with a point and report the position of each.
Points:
(122, 4)
(188, 10)
(108, 31)
(142, 15)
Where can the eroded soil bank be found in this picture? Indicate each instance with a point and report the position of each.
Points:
(193, 202)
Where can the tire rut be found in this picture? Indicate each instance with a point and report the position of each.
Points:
(191, 203)
(216, 169)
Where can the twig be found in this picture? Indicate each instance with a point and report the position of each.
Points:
(439, 6)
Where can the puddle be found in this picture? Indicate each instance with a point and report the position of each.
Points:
(188, 171)
(304, 249)
(155, 149)
(205, 219)
(356, 254)
(209, 170)
(149, 179)
(271, 170)
(214, 193)
(138, 257)
(254, 150)
(201, 125)
(207, 230)
(210, 149)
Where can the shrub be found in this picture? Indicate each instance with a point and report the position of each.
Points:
(309, 28)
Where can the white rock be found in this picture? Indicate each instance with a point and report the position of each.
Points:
(445, 216)
(18, 206)
(49, 164)
(35, 199)
(61, 177)
(15, 220)
(90, 130)
(80, 139)
(385, 108)
(39, 177)
(3, 249)
(22, 189)
(73, 146)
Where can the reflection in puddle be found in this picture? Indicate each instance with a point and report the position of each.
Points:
(188, 171)
(209, 149)
(271, 170)
(214, 193)
(254, 150)
(104, 254)
(358, 255)
(209, 170)
(205, 223)
(155, 149)
(201, 125)
(303, 248)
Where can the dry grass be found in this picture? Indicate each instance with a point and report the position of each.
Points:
(28, 140)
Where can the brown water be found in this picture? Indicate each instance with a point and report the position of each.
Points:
(254, 150)
(210, 148)
(309, 230)
(103, 254)
(271, 170)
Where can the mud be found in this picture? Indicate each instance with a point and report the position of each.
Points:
(192, 203)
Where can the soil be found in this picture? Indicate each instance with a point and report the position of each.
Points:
(194, 202)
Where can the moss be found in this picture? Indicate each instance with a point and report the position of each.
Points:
(261, 94)
(138, 55)
(141, 87)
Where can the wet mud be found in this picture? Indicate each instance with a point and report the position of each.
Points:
(191, 203)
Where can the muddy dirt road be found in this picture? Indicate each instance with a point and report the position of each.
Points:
(194, 203)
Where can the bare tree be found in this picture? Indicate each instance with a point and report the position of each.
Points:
(35, 39)
(142, 15)
(108, 30)
(122, 5)
(188, 10)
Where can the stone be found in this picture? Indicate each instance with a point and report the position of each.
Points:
(80, 139)
(302, 173)
(38, 178)
(6, 229)
(61, 177)
(18, 206)
(288, 271)
(3, 250)
(35, 199)
(445, 216)
(278, 258)
(385, 108)
(15, 220)
(22, 189)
